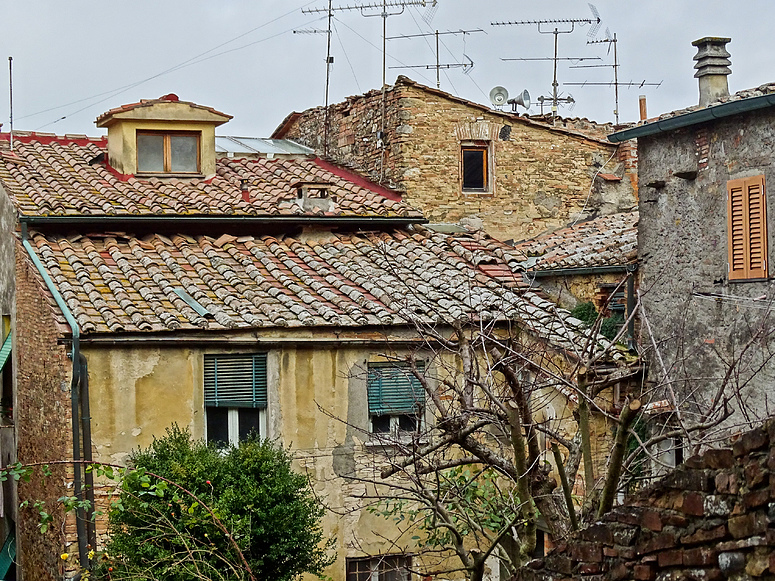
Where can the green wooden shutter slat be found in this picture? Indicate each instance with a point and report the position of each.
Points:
(393, 390)
(5, 351)
(235, 380)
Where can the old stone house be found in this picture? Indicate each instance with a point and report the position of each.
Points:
(705, 242)
(457, 160)
(160, 275)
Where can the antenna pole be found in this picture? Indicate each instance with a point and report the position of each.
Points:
(554, 79)
(10, 94)
(438, 82)
(616, 82)
(328, 77)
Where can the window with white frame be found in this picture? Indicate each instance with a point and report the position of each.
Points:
(235, 397)
(381, 568)
(396, 398)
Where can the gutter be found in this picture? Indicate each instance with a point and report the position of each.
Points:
(79, 368)
(619, 268)
(185, 221)
(695, 117)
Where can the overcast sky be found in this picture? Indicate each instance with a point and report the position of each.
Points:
(75, 59)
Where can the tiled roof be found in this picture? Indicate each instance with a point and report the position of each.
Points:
(766, 89)
(47, 175)
(122, 284)
(605, 241)
(171, 98)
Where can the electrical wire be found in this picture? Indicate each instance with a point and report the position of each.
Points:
(197, 59)
(347, 58)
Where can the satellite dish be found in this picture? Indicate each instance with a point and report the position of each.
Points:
(522, 99)
(498, 96)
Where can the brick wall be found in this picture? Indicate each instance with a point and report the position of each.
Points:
(713, 518)
(543, 177)
(42, 416)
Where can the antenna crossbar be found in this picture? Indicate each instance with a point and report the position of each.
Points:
(370, 6)
(435, 33)
(550, 58)
(556, 21)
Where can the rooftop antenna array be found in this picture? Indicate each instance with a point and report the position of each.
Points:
(386, 8)
(611, 40)
(466, 66)
(569, 25)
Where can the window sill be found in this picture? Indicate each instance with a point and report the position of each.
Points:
(189, 176)
(744, 280)
(390, 441)
(476, 192)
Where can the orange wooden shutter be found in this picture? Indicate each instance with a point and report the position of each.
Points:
(747, 227)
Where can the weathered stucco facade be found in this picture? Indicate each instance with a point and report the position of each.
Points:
(539, 176)
(702, 321)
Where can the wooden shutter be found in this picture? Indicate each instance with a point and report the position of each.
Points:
(394, 390)
(747, 228)
(235, 380)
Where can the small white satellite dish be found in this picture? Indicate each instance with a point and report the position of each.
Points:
(522, 99)
(498, 96)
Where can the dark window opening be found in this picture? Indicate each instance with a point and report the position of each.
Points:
(475, 168)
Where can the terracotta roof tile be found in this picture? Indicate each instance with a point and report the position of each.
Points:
(123, 284)
(605, 241)
(59, 177)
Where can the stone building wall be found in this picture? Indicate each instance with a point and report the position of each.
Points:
(543, 177)
(42, 416)
(713, 518)
(701, 319)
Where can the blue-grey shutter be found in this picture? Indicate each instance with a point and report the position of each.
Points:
(235, 380)
(394, 390)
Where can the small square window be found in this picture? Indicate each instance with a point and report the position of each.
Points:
(167, 152)
(235, 397)
(474, 167)
(382, 568)
(396, 398)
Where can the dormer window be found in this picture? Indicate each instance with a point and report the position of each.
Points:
(167, 152)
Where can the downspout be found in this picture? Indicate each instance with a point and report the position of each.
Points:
(87, 451)
(75, 356)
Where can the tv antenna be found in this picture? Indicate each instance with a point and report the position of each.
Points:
(557, 27)
(611, 40)
(466, 66)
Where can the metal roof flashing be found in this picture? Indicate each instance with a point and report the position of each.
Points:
(719, 111)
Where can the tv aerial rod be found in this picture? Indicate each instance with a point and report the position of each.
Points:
(466, 66)
(554, 27)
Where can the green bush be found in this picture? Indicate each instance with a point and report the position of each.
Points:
(159, 532)
(611, 325)
(585, 312)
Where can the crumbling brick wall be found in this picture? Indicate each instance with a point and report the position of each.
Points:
(713, 518)
(543, 176)
(42, 417)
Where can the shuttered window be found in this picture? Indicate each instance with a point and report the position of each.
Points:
(747, 228)
(235, 381)
(394, 390)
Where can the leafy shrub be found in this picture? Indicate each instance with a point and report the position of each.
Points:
(585, 312)
(160, 532)
(611, 325)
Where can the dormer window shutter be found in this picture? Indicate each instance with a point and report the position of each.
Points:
(747, 228)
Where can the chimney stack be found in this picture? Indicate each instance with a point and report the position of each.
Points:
(642, 107)
(712, 68)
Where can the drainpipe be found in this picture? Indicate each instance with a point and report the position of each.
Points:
(75, 388)
(87, 452)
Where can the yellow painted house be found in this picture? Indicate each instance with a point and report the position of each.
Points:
(161, 275)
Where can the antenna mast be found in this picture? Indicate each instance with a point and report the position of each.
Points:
(611, 40)
(469, 65)
(10, 94)
(556, 31)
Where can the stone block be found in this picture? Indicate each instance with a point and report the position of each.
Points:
(651, 520)
(756, 498)
(756, 439)
(643, 573)
(748, 525)
(719, 459)
(598, 533)
(589, 569)
(700, 557)
(705, 535)
(732, 562)
(670, 558)
(693, 504)
(658, 542)
(754, 473)
(757, 563)
(586, 552)
(716, 505)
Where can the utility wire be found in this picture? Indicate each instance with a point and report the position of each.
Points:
(347, 58)
(197, 59)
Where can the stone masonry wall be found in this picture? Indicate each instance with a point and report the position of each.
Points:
(700, 319)
(713, 518)
(543, 177)
(42, 418)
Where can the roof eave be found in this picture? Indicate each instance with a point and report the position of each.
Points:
(695, 117)
(368, 221)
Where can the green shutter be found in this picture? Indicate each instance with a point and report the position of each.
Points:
(5, 351)
(235, 380)
(393, 390)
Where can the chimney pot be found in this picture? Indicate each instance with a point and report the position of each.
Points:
(243, 185)
(712, 68)
(642, 105)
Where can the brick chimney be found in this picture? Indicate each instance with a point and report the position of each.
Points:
(712, 68)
